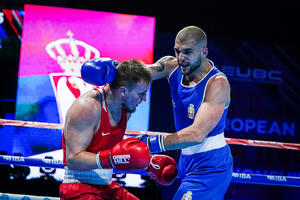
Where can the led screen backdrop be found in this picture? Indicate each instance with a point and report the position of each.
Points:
(55, 43)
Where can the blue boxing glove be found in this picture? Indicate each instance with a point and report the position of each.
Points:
(155, 143)
(99, 71)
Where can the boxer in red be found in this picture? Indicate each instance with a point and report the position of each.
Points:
(93, 138)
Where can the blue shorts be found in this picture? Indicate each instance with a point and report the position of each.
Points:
(204, 182)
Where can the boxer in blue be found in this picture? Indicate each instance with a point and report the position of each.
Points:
(200, 96)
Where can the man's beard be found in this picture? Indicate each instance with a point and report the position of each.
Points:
(193, 67)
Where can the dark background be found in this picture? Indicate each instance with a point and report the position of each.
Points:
(268, 22)
(256, 20)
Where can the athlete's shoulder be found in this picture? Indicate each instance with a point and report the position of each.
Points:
(218, 88)
(86, 107)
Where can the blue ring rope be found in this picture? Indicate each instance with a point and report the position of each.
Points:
(236, 177)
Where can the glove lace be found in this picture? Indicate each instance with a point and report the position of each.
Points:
(157, 167)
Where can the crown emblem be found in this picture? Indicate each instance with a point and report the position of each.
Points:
(70, 54)
(191, 111)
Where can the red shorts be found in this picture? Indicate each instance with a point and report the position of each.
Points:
(94, 192)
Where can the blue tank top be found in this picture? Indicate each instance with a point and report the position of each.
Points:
(213, 154)
(187, 100)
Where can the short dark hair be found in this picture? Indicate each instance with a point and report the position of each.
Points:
(130, 73)
(192, 32)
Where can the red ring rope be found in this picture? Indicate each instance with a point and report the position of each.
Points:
(246, 142)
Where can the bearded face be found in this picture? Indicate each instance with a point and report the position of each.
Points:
(190, 55)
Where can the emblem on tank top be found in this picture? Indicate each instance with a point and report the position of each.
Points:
(187, 196)
(191, 111)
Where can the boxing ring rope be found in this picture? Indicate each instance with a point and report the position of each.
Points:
(7, 196)
(236, 177)
(246, 142)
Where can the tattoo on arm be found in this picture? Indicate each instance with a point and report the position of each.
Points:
(161, 68)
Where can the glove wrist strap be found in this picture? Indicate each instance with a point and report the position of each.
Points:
(103, 160)
(98, 160)
(156, 144)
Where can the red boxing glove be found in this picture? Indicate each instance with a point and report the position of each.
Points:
(162, 169)
(129, 154)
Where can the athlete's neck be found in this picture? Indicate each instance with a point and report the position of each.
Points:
(112, 100)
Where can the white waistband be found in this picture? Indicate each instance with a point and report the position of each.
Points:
(209, 143)
(96, 176)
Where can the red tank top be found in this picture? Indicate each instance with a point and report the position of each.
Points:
(106, 136)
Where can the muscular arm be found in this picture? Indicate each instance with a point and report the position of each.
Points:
(81, 123)
(163, 67)
(207, 117)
